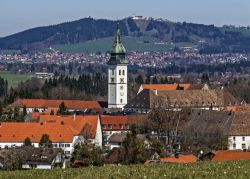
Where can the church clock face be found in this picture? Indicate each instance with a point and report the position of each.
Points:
(121, 87)
(121, 93)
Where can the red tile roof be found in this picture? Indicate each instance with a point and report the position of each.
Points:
(70, 104)
(171, 87)
(181, 159)
(62, 130)
(76, 123)
(227, 155)
(118, 122)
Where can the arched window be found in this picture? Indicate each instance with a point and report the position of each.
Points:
(123, 72)
(121, 100)
(120, 72)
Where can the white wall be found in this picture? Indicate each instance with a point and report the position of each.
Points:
(235, 142)
(117, 90)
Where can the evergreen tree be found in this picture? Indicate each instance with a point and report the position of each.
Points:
(62, 109)
(155, 81)
(139, 80)
(45, 141)
(27, 142)
(24, 110)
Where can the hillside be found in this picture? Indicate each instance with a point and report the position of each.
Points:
(198, 170)
(208, 38)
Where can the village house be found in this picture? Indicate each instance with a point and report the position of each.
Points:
(64, 132)
(117, 124)
(216, 128)
(176, 100)
(42, 105)
(32, 158)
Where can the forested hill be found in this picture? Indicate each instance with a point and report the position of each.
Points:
(208, 38)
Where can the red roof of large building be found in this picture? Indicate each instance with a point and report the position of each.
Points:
(60, 129)
(171, 87)
(44, 103)
(227, 155)
(181, 159)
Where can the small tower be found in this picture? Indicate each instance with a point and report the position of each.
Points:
(117, 74)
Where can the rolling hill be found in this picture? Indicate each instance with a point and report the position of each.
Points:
(144, 34)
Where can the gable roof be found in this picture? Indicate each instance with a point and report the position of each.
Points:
(119, 122)
(171, 87)
(146, 99)
(44, 103)
(62, 130)
(181, 159)
(227, 155)
(241, 124)
(76, 123)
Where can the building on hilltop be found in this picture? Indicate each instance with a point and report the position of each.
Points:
(117, 74)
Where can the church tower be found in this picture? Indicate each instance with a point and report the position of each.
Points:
(117, 74)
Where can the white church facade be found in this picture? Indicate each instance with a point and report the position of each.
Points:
(117, 74)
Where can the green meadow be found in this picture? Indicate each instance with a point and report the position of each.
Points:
(14, 79)
(209, 170)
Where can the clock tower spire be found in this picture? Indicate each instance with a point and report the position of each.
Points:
(117, 73)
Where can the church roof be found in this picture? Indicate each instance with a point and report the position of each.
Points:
(118, 50)
(118, 47)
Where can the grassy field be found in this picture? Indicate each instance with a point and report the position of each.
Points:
(199, 170)
(14, 79)
(104, 45)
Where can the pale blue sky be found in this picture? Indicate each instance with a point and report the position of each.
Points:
(18, 15)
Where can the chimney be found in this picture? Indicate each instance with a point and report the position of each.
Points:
(156, 92)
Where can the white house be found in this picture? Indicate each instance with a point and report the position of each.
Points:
(64, 132)
(239, 132)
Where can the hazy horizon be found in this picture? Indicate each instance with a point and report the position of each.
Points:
(16, 15)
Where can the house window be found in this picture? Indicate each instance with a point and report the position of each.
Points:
(103, 126)
(112, 80)
(67, 152)
(61, 145)
(122, 80)
(67, 145)
(121, 126)
(243, 138)
(243, 146)
(110, 126)
(55, 145)
(234, 145)
(234, 138)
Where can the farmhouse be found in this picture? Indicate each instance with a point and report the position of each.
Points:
(206, 128)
